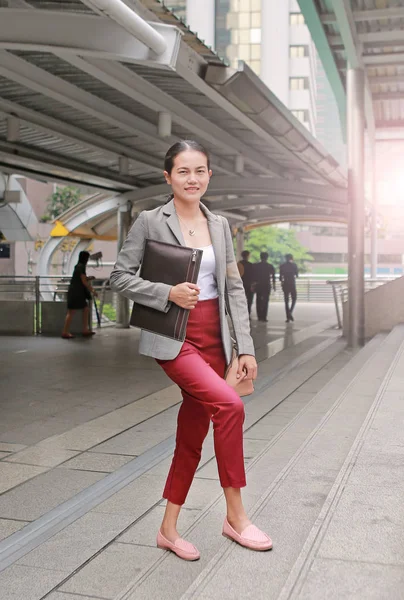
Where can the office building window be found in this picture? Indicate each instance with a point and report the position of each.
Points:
(238, 32)
(299, 51)
(302, 115)
(299, 83)
(296, 19)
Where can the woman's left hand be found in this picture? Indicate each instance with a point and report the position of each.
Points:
(247, 366)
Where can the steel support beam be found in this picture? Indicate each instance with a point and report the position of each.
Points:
(346, 24)
(70, 133)
(86, 35)
(132, 85)
(123, 225)
(356, 193)
(388, 96)
(131, 22)
(22, 72)
(385, 59)
(377, 14)
(19, 154)
(387, 38)
(313, 21)
(250, 186)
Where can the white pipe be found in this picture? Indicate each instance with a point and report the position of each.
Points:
(129, 20)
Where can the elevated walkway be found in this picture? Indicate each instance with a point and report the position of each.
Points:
(81, 498)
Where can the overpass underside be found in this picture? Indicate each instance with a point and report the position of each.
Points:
(87, 99)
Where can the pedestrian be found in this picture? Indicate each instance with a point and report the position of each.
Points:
(79, 293)
(264, 273)
(246, 268)
(198, 364)
(288, 274)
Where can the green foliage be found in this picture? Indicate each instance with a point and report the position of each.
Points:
(109, 312)
(60, 201)
(277, 242)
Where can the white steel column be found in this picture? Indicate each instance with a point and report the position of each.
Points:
(275, 62)
(356, 196)
(373, 231)
(201, 18)
(122, 308)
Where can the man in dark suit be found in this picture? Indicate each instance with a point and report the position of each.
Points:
(245, 268)
(288, 273)
(264, 273)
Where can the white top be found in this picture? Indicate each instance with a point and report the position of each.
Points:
(207, 275)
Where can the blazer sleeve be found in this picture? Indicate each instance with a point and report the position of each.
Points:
(236, 300)
(124, 277)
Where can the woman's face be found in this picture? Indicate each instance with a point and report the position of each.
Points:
(190, 176)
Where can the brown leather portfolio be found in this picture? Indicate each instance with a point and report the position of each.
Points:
(170, 264)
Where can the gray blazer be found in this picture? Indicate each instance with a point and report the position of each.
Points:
(162, 224)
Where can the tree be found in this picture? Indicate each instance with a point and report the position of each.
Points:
(60, 201)
(277, 242)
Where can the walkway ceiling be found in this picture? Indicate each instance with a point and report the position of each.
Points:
(366, 34)
(89, 108)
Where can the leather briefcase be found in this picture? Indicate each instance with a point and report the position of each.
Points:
(170, 264)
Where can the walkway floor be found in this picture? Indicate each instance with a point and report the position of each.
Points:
(86, 436)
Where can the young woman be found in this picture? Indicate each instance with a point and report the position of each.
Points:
(79, 292)
(198, 365)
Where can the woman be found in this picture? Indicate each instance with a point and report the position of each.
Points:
(198, 365)
(79, 292)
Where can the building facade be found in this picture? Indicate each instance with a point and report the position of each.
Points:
(270, 36)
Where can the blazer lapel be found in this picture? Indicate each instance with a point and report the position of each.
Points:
(173, 222)
(217, 236)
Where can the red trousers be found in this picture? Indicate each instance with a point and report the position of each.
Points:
(198, 370)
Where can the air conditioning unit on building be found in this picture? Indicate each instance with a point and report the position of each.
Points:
(12, 197)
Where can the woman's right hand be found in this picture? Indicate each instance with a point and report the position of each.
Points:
(185, 295)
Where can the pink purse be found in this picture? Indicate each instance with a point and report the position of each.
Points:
(243, 387)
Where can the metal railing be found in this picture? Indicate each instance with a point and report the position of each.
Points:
(340, 291)
(31, 289)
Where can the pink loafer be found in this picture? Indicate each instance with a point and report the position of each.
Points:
(180, 547)
(251, 537)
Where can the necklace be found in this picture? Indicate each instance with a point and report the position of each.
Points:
(190, 231)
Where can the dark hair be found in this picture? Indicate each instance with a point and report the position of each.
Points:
(182, 146)
(264, 255)
(245, 253)
(289, 257)
(83, 257)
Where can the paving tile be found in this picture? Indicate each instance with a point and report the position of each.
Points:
(144, 531)
(136, 498)
(82, 437)
(6, 447)
(12, 475)
(105, 463)
(352, 581)
(133, 442)
(26, 583)
(62, 596)
(367, 525)
(36, 497)
(77, 543)
(35, 431)
(8, 527)
(41, 456)
(112, 570)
